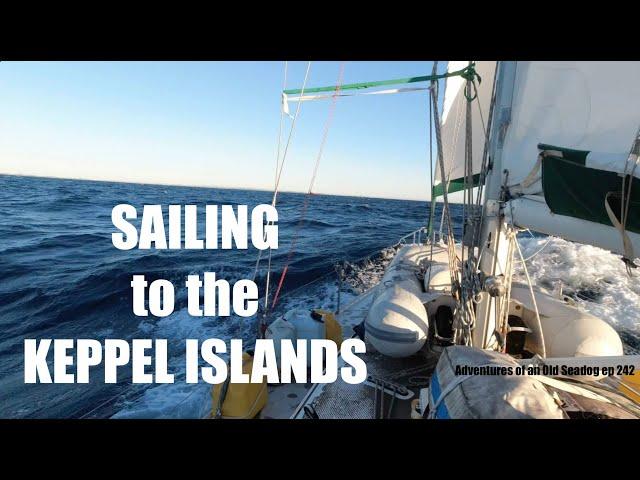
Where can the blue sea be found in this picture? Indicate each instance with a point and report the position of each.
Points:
(61, 277)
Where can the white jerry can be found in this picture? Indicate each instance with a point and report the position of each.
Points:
(280, 330)
(306, 328)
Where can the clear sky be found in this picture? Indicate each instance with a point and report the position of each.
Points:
(212, 124)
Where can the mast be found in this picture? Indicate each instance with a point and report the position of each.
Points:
(493, 246)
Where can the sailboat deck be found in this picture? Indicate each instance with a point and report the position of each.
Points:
(391, 385)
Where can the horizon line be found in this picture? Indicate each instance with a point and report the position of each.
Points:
(208, 187)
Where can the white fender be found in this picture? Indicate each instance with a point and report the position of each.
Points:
(402, 270)
(397, 323)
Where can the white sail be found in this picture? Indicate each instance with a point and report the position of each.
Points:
(454, 120)
(592, 106)
(589, 107)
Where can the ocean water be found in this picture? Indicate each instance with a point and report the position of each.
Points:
(61, 277)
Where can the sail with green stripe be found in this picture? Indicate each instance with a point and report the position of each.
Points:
(571, 152)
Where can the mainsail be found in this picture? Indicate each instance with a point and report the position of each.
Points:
(570, 152)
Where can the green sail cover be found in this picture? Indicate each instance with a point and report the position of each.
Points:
(576, 156)
(574, 190)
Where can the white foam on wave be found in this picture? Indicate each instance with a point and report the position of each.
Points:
(179, 399)
(595, 278)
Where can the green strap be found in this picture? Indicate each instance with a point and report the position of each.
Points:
(468, 73)
(455, 185)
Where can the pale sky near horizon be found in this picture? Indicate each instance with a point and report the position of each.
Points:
(212, 124)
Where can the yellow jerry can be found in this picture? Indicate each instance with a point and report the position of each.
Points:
(240, 400)
(332, 329)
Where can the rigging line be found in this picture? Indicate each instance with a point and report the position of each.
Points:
(261, 324)
(432, 202)
(434, 98)
(625, 201)
(484, 169)
(108, 401)
(275, 182)
(484, 127)
(431, 230)
(284, 85)
(326, 129)
(486, 137)
(475, 234)
(533, 298)
(540, 250)
(268, 279)
(441, 226)
(453, 144)
(468, 163)
(286, 148)
(503, 324)
(284, 156)
(305, 205)
(466, 284)
(431, 166)
(450, 238)
(450, 147)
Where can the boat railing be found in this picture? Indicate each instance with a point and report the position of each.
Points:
(418, 236)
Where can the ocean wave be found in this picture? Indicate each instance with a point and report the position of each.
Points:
(62, 241)
(595, 278)
(306, 223)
